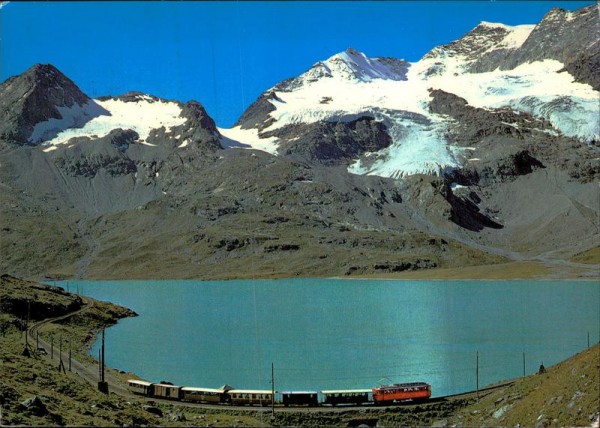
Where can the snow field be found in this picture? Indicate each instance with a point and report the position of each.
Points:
(141, 116)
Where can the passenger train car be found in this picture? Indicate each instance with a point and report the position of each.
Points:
(397, 392)
(349, 396)
(382, 395)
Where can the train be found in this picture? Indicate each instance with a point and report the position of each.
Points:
(227, 395)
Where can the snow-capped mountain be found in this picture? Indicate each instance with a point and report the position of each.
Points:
(540, 70)
(492, 67)
(43, 107)
(484, 150)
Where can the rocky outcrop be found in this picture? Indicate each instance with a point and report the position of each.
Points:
(473, 125)
(85, 157)
(331, 143)
(42, 301)
(434, 198)
(198, 132)
(257, 115)
(569, 37)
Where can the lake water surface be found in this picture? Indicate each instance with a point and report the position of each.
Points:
(330, 334)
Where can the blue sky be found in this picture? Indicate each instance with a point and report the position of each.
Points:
(224, 54)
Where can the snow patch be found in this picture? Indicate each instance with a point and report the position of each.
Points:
(140, 116)
(75, 116)
(455, 186)
(516, 37)
(237, 137)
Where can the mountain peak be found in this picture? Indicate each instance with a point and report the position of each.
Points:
(49, 78)
(355, 65)
(35, 96)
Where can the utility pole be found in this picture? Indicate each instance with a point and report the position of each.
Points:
(103, 355)
(61, 365)
(272, 390)
(102, 384)
(523, 364)
(477, 374)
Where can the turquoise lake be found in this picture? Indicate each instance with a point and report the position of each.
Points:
(341, 334)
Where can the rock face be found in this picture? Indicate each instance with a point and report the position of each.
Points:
(573, 38)
(32, 97)
(332, 143)
(475, 154)
(34, 406)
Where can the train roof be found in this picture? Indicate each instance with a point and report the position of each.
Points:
(298, 392)
(139, 382)
(250, 391)
(347, 391)
(167, 385)
(191, 388)
(404, 385)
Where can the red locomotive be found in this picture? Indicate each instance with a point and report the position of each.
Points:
(415, 391)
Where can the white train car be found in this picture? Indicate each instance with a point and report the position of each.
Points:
(242, 397)
(140, 387)
(204, 395)
(165, 390)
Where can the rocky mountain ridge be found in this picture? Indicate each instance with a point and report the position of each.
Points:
(358, 166)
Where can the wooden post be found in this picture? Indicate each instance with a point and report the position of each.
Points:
(588, 339)
(69, 355)
(523, 364)
(52, 347)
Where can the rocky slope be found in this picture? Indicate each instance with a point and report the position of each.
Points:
(484, 151)
(564, 395)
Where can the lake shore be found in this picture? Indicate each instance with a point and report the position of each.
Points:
(69, 398)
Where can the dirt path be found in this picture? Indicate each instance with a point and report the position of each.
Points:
(88, 371)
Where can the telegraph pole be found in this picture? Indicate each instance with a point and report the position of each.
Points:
(102, 384)
(103, 355)
(61, 365)
(477, 374)
(272, 390)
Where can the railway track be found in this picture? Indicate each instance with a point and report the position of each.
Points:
(89, 372)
